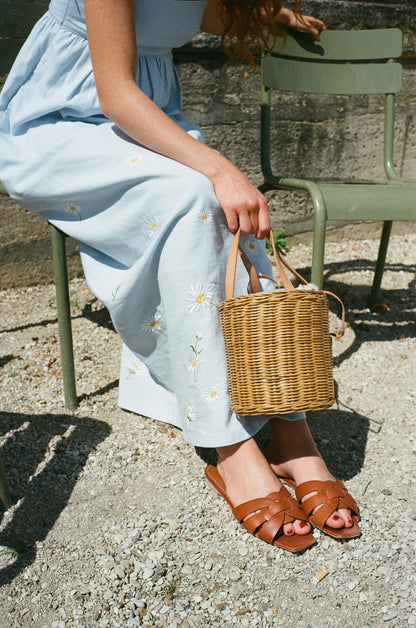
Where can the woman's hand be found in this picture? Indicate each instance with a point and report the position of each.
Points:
(304, 23)
(242, 203)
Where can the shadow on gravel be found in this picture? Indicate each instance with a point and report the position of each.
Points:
(99, 316)
(397, 322)
(43, 456)
(341, 437)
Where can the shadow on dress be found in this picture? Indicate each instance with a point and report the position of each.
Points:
(43, 456)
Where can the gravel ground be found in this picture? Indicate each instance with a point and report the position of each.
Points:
(113, 524)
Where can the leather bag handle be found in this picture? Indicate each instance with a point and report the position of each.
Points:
(281, 263)
(255, 286)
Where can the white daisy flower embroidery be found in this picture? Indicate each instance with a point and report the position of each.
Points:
(114, 293)
(200, 296)
(195, 361)
(213, 393)
(194, 366)
(190, 413)
(205, 216)
(73, 209)
(137, 368)
(251, 247)
(152, 324)
(151, 224)
(133, 160)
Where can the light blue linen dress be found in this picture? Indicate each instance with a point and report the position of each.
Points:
(154, 242)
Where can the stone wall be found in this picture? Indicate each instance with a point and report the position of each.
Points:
(312, 135)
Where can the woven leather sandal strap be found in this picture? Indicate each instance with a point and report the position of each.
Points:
(322, 514)
(329, 497)
(347, 501)
(311, 486)
(247, 508)
(265, 508)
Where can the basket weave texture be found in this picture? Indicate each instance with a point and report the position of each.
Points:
(279, 350)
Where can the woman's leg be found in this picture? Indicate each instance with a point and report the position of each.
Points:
(292, 453)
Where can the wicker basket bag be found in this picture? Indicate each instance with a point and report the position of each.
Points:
(278, 345)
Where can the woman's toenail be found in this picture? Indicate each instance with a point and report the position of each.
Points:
(302, 524)
(336, 518)
(289, 531)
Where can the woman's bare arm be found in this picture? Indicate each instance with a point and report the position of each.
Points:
(113, 48)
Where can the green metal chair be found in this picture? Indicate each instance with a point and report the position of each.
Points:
(16, 22)
(343, 62)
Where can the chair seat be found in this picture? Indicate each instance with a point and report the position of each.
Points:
(363, 200)
(369, 201)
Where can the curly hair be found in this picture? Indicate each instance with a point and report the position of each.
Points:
(247, 22)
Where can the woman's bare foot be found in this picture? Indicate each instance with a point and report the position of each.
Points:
(292, 453)
(247, 475)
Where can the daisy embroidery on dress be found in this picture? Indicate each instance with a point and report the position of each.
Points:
(205, 216)
(132, 160)
(152, 324)
(114, 293)
(195, 361)
(213, 393)
(73, 209)
(252, 247)
(151, 224)
(190, 413)
(200, 296)
(137, 368)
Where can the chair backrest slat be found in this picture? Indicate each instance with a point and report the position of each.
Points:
(382, 43)
(331, 78)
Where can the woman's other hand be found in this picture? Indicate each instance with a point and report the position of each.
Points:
(304, 23)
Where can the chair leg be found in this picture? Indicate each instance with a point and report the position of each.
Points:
(4, 489)
(375, 298)
(64, 317)
(319, 231)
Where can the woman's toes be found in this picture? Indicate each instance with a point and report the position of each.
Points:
(301, 527)
(297, 527)
(335, 521)
(288, 529)
(340, 519)
(346, 515)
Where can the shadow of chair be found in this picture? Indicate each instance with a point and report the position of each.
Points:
(343, 62)
(52, 451)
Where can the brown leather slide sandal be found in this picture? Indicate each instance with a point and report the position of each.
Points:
(265, 517)
(329, 496)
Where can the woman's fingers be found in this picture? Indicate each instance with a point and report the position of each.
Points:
(242, 203)
(245, 221)
(254, 220)
(264, 221)
(311, 25)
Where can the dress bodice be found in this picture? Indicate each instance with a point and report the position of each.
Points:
(160, 24)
